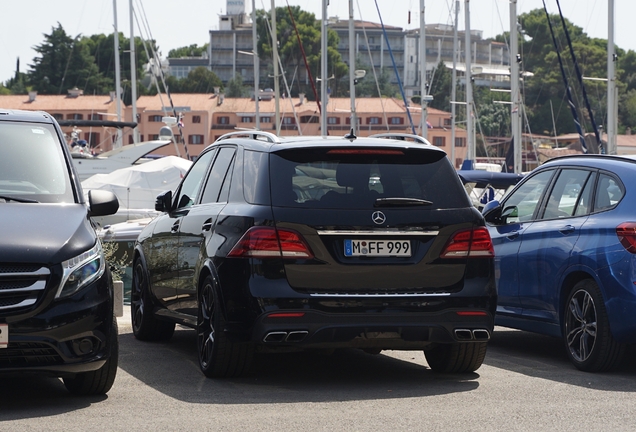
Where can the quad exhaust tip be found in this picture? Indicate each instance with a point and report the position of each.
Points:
(283, 336)
(468, 334)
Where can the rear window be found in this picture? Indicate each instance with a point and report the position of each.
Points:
(32, 163)
(355, 178)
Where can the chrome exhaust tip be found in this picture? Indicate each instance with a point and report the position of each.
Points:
(275, 337)
(463, 334)
(481, 334)
(296, 336)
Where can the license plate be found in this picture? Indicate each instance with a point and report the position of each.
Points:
(377, 248)
(4, 335)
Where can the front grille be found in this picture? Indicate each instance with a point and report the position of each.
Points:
(19, 354)
(21, 286)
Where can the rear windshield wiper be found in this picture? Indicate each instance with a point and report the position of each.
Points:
(22, 200)
(401, 202)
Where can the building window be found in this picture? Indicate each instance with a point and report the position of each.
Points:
(460, 142)
(223, 120)
(349, 120)
(154, 118)
(196, 119)
(95, 117)
(195, 139)
(153, 137)
(373, 120)
(333, 120)
(447, 122)
(396, 120)
(266, 119)
(74, 117)
(439, 141)
(247, 119)
(309, 119)
(92, 138)
(58, 116)
(288, 121)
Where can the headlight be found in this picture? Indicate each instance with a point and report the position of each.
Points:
(82, 270)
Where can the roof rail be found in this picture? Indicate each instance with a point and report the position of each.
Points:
(252, 134)
(401, 136)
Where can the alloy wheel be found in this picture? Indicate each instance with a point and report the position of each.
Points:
(580, 325)
(137, 297)
(205, 326)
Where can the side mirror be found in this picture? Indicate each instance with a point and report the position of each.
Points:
(102, 203)
(163, 202)
(492, 212)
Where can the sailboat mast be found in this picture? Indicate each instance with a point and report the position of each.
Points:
(352, 67)
(256, 66)
(470, 128)
(276, 84)
(423, 92)
(454, 84)
(515, 94)
(324, 81)
(133, 73)
(117, 74)
(611, 83)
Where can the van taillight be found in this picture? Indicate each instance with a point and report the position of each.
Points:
(475, 243)
(268, 242)
(626, 233)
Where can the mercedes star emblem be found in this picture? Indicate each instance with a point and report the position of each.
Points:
(378, 217)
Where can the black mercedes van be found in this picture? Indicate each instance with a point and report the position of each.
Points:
(56, 291)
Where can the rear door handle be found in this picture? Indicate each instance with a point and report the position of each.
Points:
(513, 235)
(568, 229)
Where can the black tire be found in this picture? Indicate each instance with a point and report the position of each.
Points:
(586, 331)
(100, 381)
(145, 325)
(219, 357)
(455, 357)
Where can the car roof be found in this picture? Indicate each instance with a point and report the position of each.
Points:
(268, 142)
(26, 116)
(593, 160)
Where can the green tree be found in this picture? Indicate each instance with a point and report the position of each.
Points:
(289, 48)
(189, 51)
(235, 87)
(367, 87)
(441, 87)
(64, 63)
(199, 80)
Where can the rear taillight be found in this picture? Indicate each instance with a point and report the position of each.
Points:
(626, 233)
(475, 243)
(268, 242)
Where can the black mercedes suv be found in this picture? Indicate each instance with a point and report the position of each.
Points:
(274, 243)
(56, 291)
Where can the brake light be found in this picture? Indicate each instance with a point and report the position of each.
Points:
(366, 152)
(471, 313)
(268, 242)
(286, 315)
(474, 243)
(626, 233)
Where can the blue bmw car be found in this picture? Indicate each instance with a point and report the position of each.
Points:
(565, 256)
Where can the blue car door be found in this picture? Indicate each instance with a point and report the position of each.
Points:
(518, 214)
(547, 245)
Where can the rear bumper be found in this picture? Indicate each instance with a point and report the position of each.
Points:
(388, 329)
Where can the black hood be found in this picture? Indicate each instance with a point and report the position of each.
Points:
(43, 233)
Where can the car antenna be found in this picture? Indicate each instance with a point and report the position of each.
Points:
(351, 135)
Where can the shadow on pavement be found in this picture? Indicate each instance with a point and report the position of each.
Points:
(172, 368)
(545, 357)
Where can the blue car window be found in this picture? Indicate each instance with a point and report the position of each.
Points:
(522, 203)
(608, 193)
(584, 205)
(564, 196)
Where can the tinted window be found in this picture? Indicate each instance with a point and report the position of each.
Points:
(608, 193)
(565, 194)
(32, 163)
(255, 177)
(219, 176)
(355, 178)
(522, 203)
(191, 184)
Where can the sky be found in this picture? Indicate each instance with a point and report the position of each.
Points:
(177, 24)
